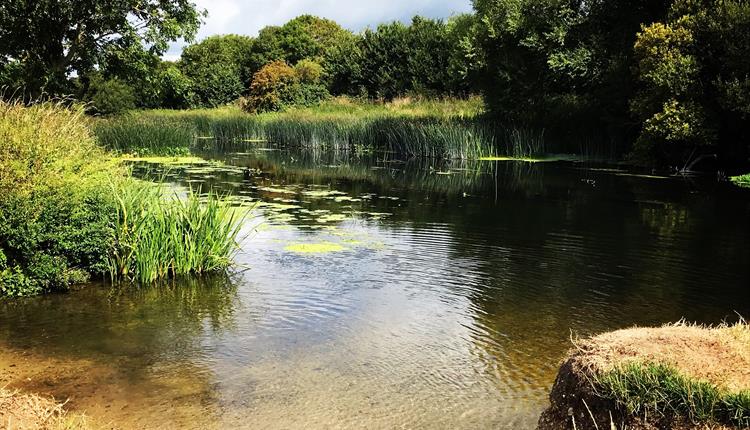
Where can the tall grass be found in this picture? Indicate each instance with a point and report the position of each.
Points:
(158, 237)
(439, 129)
(144, 135)
(660, 390)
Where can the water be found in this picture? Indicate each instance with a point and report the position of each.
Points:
(445, 298)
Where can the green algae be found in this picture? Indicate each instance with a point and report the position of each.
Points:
(315, 248)
(323, 193)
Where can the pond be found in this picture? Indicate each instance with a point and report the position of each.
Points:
(373, 293)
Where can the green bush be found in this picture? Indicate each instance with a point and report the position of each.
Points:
(111, 97)
(277, 86)
(55, 216)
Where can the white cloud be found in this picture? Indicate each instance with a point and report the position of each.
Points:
(249, 16)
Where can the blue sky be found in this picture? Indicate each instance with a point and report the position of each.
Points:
(249, 16)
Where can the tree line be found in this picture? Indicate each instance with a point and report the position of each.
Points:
(665, 81)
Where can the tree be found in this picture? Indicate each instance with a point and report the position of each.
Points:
(217, 66)
(385, 60)
(694, 75)
(54, 38)
(303, 37)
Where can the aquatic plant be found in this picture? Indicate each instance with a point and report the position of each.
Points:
(158, 236)
(742, 180)
(144, 135)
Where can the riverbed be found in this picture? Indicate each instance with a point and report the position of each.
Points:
(379, 293)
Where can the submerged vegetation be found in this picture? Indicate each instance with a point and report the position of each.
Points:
(62, 224)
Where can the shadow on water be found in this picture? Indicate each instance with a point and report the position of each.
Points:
(447, 301)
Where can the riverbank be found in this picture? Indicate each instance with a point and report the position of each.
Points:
(673, 377)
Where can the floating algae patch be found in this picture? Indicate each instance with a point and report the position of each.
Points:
(332, 218)
(547, 159)
(323, 194)
(315, 248)
(276, 190)
(166, 160)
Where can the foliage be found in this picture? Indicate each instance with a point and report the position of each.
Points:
(157, 238)
(111, 97)
(385, 59)
(277, 86)
(217, 68)
(60, 221)
(742, 180)
(52, 39)
(693, 69)
(660, 390)
(54, 218)
(304, 37)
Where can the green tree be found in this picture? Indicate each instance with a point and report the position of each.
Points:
(111, 96)
(217, 67)
(303, 37)
(385, 60)
(694, 74)
(54, 38)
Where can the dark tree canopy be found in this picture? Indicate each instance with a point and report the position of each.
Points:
(50, 39)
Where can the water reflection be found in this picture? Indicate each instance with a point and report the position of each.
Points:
(447, 302)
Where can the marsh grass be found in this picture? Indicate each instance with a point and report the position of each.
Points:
(658, 389)
(159, 236)
(450, 129)
(144, 135)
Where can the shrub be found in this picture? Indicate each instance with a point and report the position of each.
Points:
(55, 218)
(270, 87)
(277, 86)
(112, 97)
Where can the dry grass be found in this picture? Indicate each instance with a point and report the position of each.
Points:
(719, 355)
(20, 411)
(678, 376)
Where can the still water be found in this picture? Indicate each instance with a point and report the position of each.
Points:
(375, 294)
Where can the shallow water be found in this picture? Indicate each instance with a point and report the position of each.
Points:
(389, 295)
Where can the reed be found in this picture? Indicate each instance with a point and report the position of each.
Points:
(437, 129)
(159, 237)
(145, 135)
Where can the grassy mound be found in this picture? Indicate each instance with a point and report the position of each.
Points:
(674, 377)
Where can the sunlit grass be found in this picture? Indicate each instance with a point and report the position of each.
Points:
(742, 180)
(158, 236)
(660, 390)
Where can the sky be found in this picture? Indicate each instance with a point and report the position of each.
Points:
(249, 16)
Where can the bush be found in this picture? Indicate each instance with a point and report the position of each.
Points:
(55, 216)
(277, 86)
(111, 97)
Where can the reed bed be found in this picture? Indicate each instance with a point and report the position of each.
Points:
(158, 236)
(447, 129)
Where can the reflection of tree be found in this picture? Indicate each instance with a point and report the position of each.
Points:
(131, 322)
